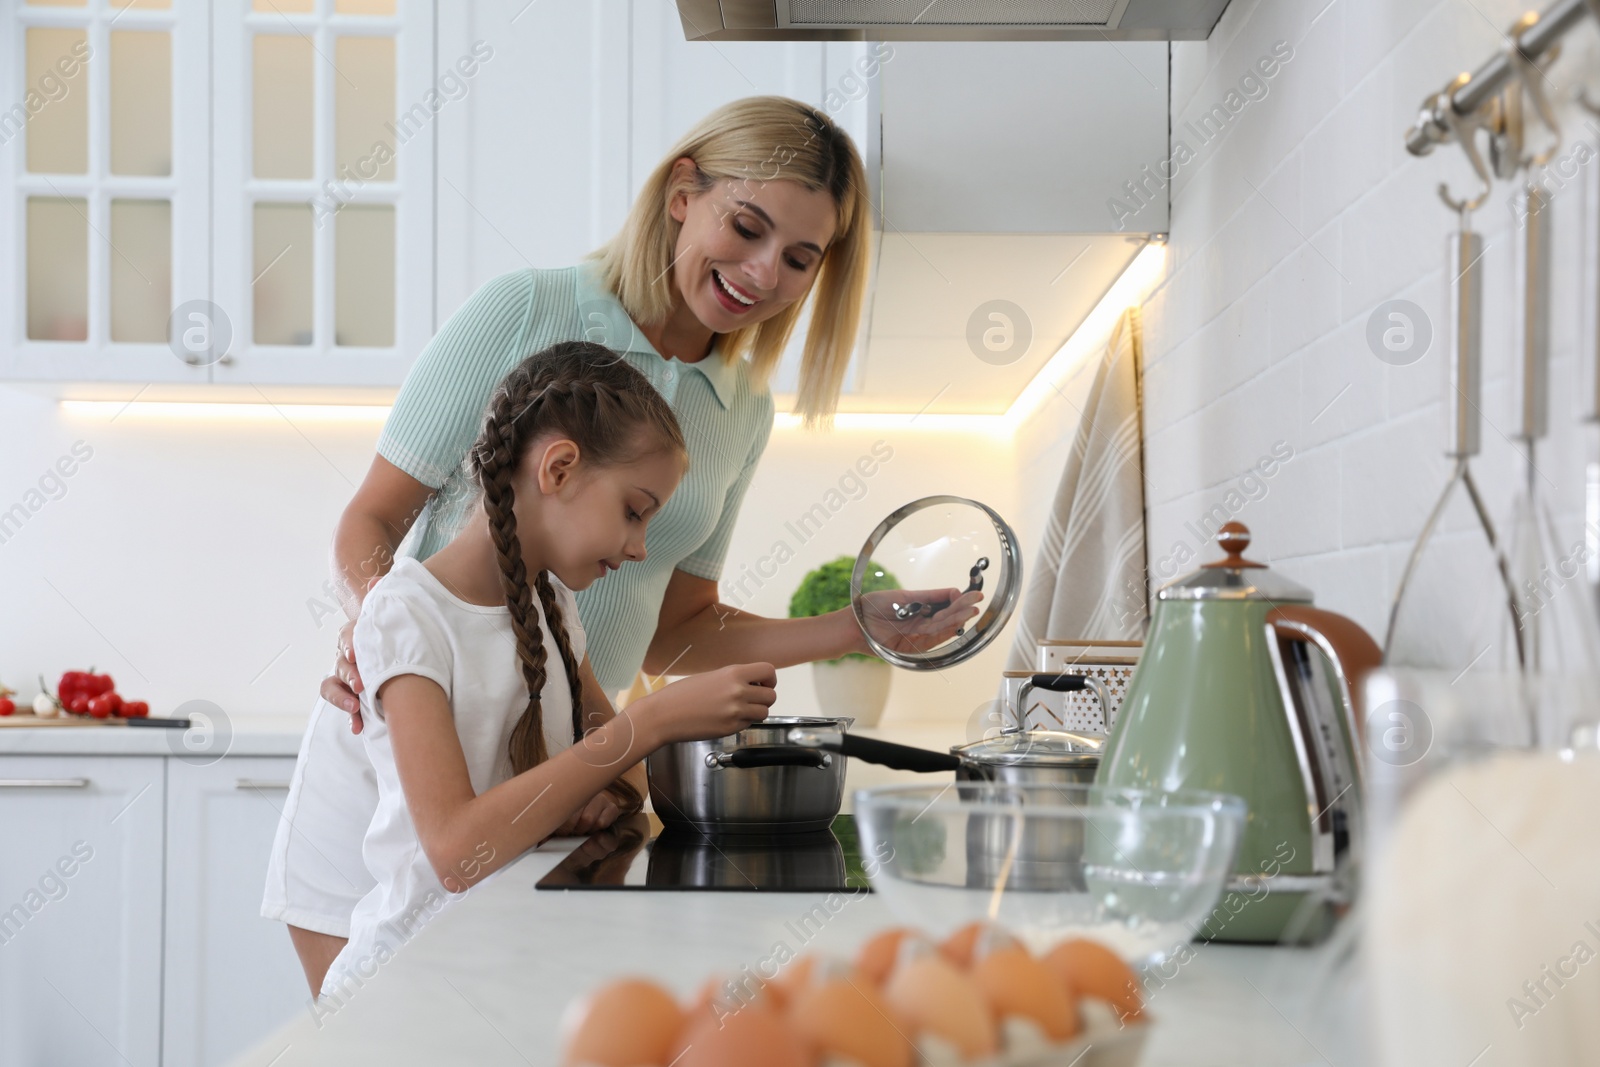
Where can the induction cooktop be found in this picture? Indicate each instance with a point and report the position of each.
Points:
(637, 853)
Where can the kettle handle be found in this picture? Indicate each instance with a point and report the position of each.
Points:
(1353, 651)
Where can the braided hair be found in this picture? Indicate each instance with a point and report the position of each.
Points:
(587, 393)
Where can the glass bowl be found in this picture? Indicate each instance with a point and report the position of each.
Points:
(1139, 870)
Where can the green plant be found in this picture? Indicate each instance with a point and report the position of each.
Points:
(828, 589)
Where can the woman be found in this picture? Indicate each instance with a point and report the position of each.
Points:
(760, 203)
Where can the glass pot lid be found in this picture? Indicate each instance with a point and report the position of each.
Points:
(926, 565)
(1035, 748)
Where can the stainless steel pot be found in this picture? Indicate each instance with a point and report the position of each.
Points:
(751, 782)
(1016, 756)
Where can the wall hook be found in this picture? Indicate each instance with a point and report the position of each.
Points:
(1530, 78)
(1464, 129)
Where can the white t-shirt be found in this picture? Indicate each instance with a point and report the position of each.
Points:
(410, 623)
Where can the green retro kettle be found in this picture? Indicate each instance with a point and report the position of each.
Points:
(1245, 688)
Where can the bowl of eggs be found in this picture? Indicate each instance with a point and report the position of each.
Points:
(979, 998)
(1138, 870)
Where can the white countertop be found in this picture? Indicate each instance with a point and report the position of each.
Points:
(486, 982)
(255, 735)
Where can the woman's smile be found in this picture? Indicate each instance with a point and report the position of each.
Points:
(732, 297)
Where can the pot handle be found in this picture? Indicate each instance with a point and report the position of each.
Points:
(768, 756)
(883, 753)
(1058, 683)
(1352, 650)
(1062, 682)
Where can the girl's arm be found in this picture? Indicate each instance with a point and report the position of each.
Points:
(467, 837)
(605, 807)
(696, 632)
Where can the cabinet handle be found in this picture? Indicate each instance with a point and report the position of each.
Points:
(259, 783)
(44, 783)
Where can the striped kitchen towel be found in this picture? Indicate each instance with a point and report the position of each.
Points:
(1088, 578)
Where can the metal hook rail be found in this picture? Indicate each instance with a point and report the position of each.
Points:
(1463, 99)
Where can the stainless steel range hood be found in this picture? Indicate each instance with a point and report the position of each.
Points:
(949, 20)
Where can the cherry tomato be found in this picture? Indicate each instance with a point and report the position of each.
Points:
(78, 705)
(100, 706)
(135, 709)
(7, 706)
(116, 701)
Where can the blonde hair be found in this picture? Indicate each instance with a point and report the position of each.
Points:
(757, 140)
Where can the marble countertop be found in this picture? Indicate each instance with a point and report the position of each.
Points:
(487, 981)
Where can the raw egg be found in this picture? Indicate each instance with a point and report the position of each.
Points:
(957, 948)
(848, 1017)
(1092, 970)
(791, 981)
(932, 995)
(752, 1034)
(1015, 983)
(728, 994)
(877, 956)
(626, 1023)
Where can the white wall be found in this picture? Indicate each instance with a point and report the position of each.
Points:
(181, 555)
(186, 556)
(1287, 231)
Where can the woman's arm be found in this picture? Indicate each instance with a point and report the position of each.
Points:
(468, 836)
(435, 419)
(370, 529)
(696, 632)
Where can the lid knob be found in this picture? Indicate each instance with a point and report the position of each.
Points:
(1234, 538)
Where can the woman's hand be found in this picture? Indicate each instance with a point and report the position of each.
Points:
(921, 632)
(341, 688)
(714, 704)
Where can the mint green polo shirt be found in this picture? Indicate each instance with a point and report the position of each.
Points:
(440, 408)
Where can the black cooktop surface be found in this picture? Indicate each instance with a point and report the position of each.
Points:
(628, 856)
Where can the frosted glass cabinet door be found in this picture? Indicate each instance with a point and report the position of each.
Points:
(80, 910)
(232, 976)
(106, 190)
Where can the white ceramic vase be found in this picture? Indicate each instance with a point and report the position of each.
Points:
(854, 687)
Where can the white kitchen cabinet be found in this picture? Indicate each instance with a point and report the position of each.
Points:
(239, 197)
(81, 845)
(231, 976)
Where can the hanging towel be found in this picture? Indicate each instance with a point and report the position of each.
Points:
(1088, 579)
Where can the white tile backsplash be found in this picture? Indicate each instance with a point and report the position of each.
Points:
(1287, 231)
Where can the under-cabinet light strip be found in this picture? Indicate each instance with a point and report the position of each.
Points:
(1129, 290)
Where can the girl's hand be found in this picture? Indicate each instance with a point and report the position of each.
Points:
(601, 811)
(919, 633)
(714, 704)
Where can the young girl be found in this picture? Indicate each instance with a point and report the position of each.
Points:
(486, 728)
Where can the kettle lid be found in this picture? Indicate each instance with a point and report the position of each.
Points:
(1234, 577)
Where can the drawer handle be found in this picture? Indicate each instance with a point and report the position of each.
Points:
(259, 783)
(44, 783)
